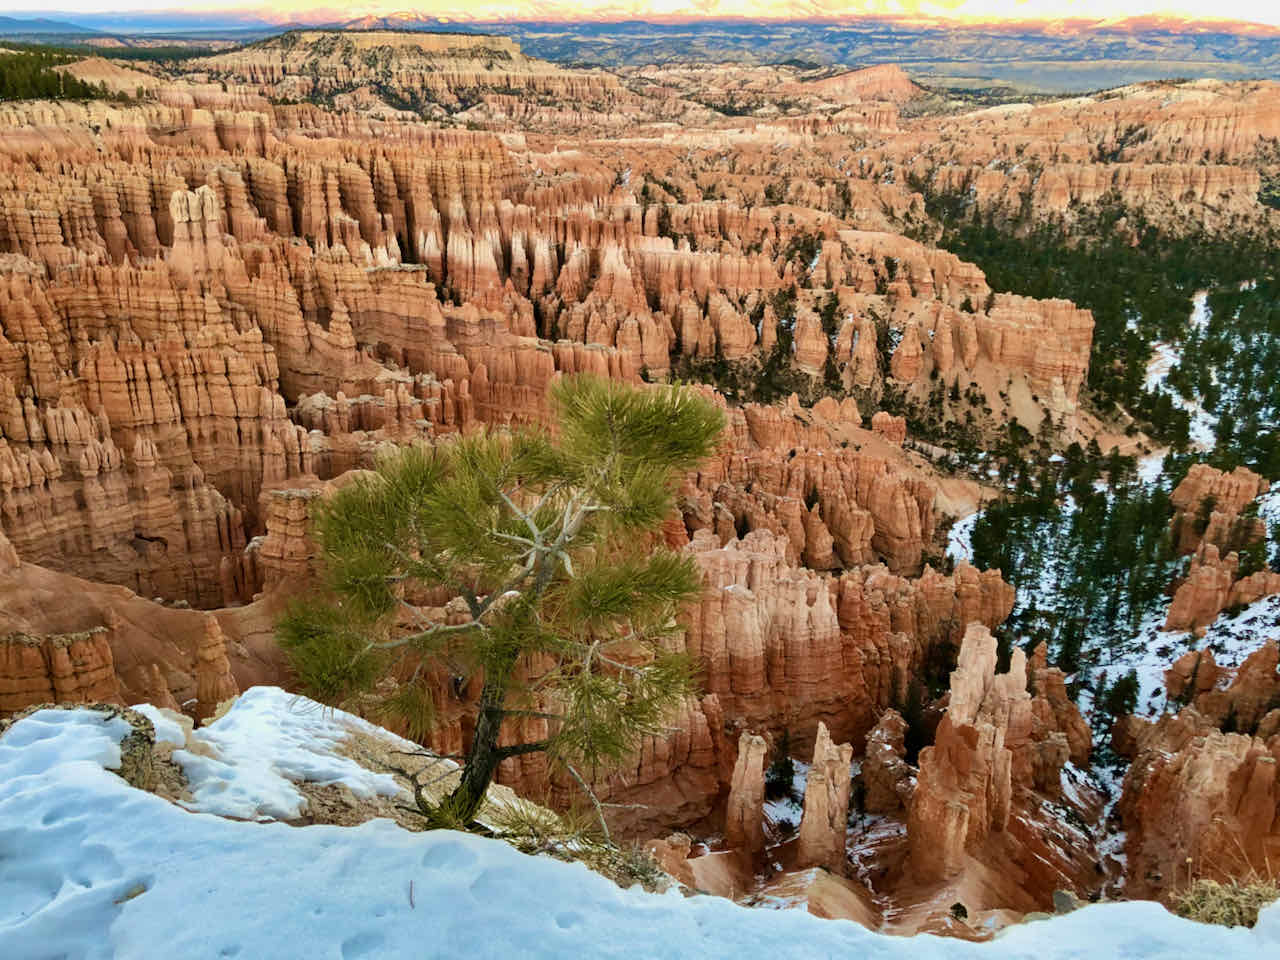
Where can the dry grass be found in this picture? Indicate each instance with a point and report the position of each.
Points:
(575, 835)
(1232, 904)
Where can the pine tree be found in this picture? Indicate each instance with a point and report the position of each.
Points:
(1122, 698)
(547, 537)
(779, 779)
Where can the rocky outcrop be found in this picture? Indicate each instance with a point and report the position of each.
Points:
(1062, 187)
(279, 289)
(1202, 795)
(421, 67)
(59, 668)
(214, 682)
(744, 813)
(1208, 504)
(784, 647)
(965, 786)
(994, 738)
(1203, 594)
(783, 470)
(110, 74)
(1211, 586)
(826, 804)
(1029, 358)
(893, 429)
(284, 558)
(886, 81)
(72, 640)
(908, 357)
(1183, 153)
(1244, 704)
(1198, 801)
(1193, 673)
(888, 780)
(1053, 712)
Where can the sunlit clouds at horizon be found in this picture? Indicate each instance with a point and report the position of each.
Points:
(1249, 11)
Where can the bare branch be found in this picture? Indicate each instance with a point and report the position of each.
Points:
(617, 664)
(528, 521)
(424, 805)
(604, 827)
(424, 635)
(425, 755)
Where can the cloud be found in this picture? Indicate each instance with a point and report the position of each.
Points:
(1109, 11)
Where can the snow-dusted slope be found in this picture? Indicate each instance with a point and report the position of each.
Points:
(90, 867)
(266, 743)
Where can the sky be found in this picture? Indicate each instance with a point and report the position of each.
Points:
(1255, 11)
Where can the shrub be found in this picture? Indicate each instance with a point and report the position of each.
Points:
(1232, 904)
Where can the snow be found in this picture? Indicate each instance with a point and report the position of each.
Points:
(265, 743)
(960, 538)
(93, 868)
(790, 807)
(167, 729)
(1200, 308)
(1151, 650)
(1233, 638)
(1148, 653)
(1269, 506)
(1151, 467)
(1164, 357)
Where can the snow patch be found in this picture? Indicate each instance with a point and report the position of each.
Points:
(1151, 467)
(790, 807)
(268, 741)
(1164, 357)
(960, 538)
(92, 869)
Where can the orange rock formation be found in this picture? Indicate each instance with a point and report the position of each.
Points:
(826, 804)
(1202, 794)
(993, 738)
(222, 300)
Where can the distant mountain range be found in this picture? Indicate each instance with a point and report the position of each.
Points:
(13, 26)
(1067, 56)
(1053, 57)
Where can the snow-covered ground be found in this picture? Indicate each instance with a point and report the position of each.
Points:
(267, 743)
(1150, 652)
(1151, 467)
(1269, 506)
(960, 538)
(93, 868)
(1164, 357)
(791, 807)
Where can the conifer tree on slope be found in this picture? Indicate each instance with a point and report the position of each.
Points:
(548, 537)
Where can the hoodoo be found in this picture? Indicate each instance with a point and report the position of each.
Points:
(771, 464)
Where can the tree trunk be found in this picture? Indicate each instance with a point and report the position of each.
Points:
(483, 757)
